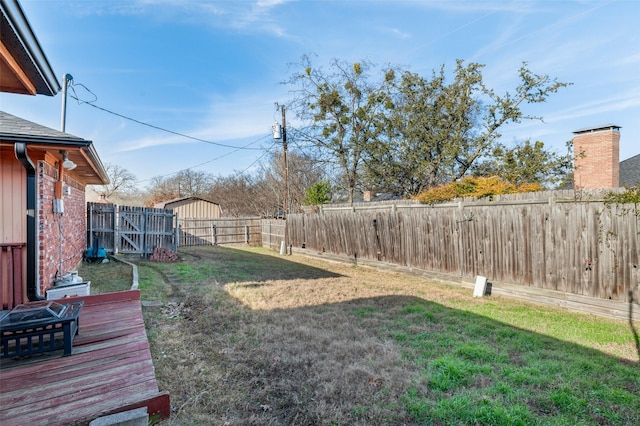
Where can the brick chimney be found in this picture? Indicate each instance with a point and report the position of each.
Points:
(597, 157)
(367, 196)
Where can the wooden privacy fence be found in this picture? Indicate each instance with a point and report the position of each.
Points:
(130, 230)
(102, 223)
(273, 233)
(580, 247)
(214, 231)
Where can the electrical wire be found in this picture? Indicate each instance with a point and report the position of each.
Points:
(92, 104)
(252, 164)
(211, 160)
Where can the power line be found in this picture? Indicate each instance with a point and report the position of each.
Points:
(235, 148)
(92, 104)
(215, 159)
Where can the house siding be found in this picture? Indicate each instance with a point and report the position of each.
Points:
(13, 222)
(13, 198)
(73, 226)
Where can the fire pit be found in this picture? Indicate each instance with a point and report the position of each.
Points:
(39, 327)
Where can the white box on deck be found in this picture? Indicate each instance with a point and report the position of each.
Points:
(73, 290)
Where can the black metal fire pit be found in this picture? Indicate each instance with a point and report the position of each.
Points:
(38, 327)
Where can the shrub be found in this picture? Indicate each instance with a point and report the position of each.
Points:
(474, 187)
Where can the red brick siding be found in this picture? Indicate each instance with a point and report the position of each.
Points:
(597, 159)
(73, 226)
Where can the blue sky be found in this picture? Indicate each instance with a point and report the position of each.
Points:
(212, 69)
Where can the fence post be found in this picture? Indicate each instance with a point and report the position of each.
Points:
(215, 235)
(144, 234)
(246, 234)
(177, 233)
(116, 228)
(90, 220)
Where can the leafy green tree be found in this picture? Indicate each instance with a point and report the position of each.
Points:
(528, 162)
(436, 131)
(344, 108)
(317, 194)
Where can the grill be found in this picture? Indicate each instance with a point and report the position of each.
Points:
(37, 327)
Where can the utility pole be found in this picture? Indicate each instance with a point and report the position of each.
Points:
(286, 170)
(281, 133)
(63, 117)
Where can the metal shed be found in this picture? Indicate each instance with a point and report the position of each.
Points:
(192, 208)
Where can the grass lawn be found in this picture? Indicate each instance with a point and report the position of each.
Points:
(246, 336)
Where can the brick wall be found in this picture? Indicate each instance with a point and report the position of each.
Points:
(73, 223)
(597, 158)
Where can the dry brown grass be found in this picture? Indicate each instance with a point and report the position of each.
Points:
(288, 341)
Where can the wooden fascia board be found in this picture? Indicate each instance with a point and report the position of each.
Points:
(15, 68)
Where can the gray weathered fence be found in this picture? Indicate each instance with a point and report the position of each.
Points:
(214, 231)
(142, 229)
(576, 246)
(102, 223)
(273, 233)
(130, 230)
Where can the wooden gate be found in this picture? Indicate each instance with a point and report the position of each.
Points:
(130, 230)
(142, 229)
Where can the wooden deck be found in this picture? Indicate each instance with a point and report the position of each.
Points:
(110, 370)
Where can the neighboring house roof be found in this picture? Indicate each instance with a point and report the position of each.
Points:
(40, 138)
(376, 196)
(167, 204)
(630, 171)
(24, 68)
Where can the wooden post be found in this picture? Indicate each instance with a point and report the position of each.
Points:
(116, 218)
(177, 233)
(90, 220)
(145, 230)
(215, 236)
(246, 234)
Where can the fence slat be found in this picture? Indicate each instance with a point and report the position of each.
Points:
(579, 246)
(130, 230)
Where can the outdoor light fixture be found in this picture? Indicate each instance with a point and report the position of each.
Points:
(66, 163)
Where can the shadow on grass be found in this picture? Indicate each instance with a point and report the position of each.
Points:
(392, 359)
(228, 265)
(636, 338)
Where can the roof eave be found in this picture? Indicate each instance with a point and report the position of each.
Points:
(86, 146)
(46, 81)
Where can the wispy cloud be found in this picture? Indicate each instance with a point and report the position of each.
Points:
(227, 121)
(396, 33)
(600, 107)
(253, 16)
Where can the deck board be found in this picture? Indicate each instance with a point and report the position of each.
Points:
(110, 370)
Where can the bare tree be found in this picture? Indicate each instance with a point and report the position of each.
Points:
(237, 195)
(187, 183)
(122, 183)
(303, 172)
